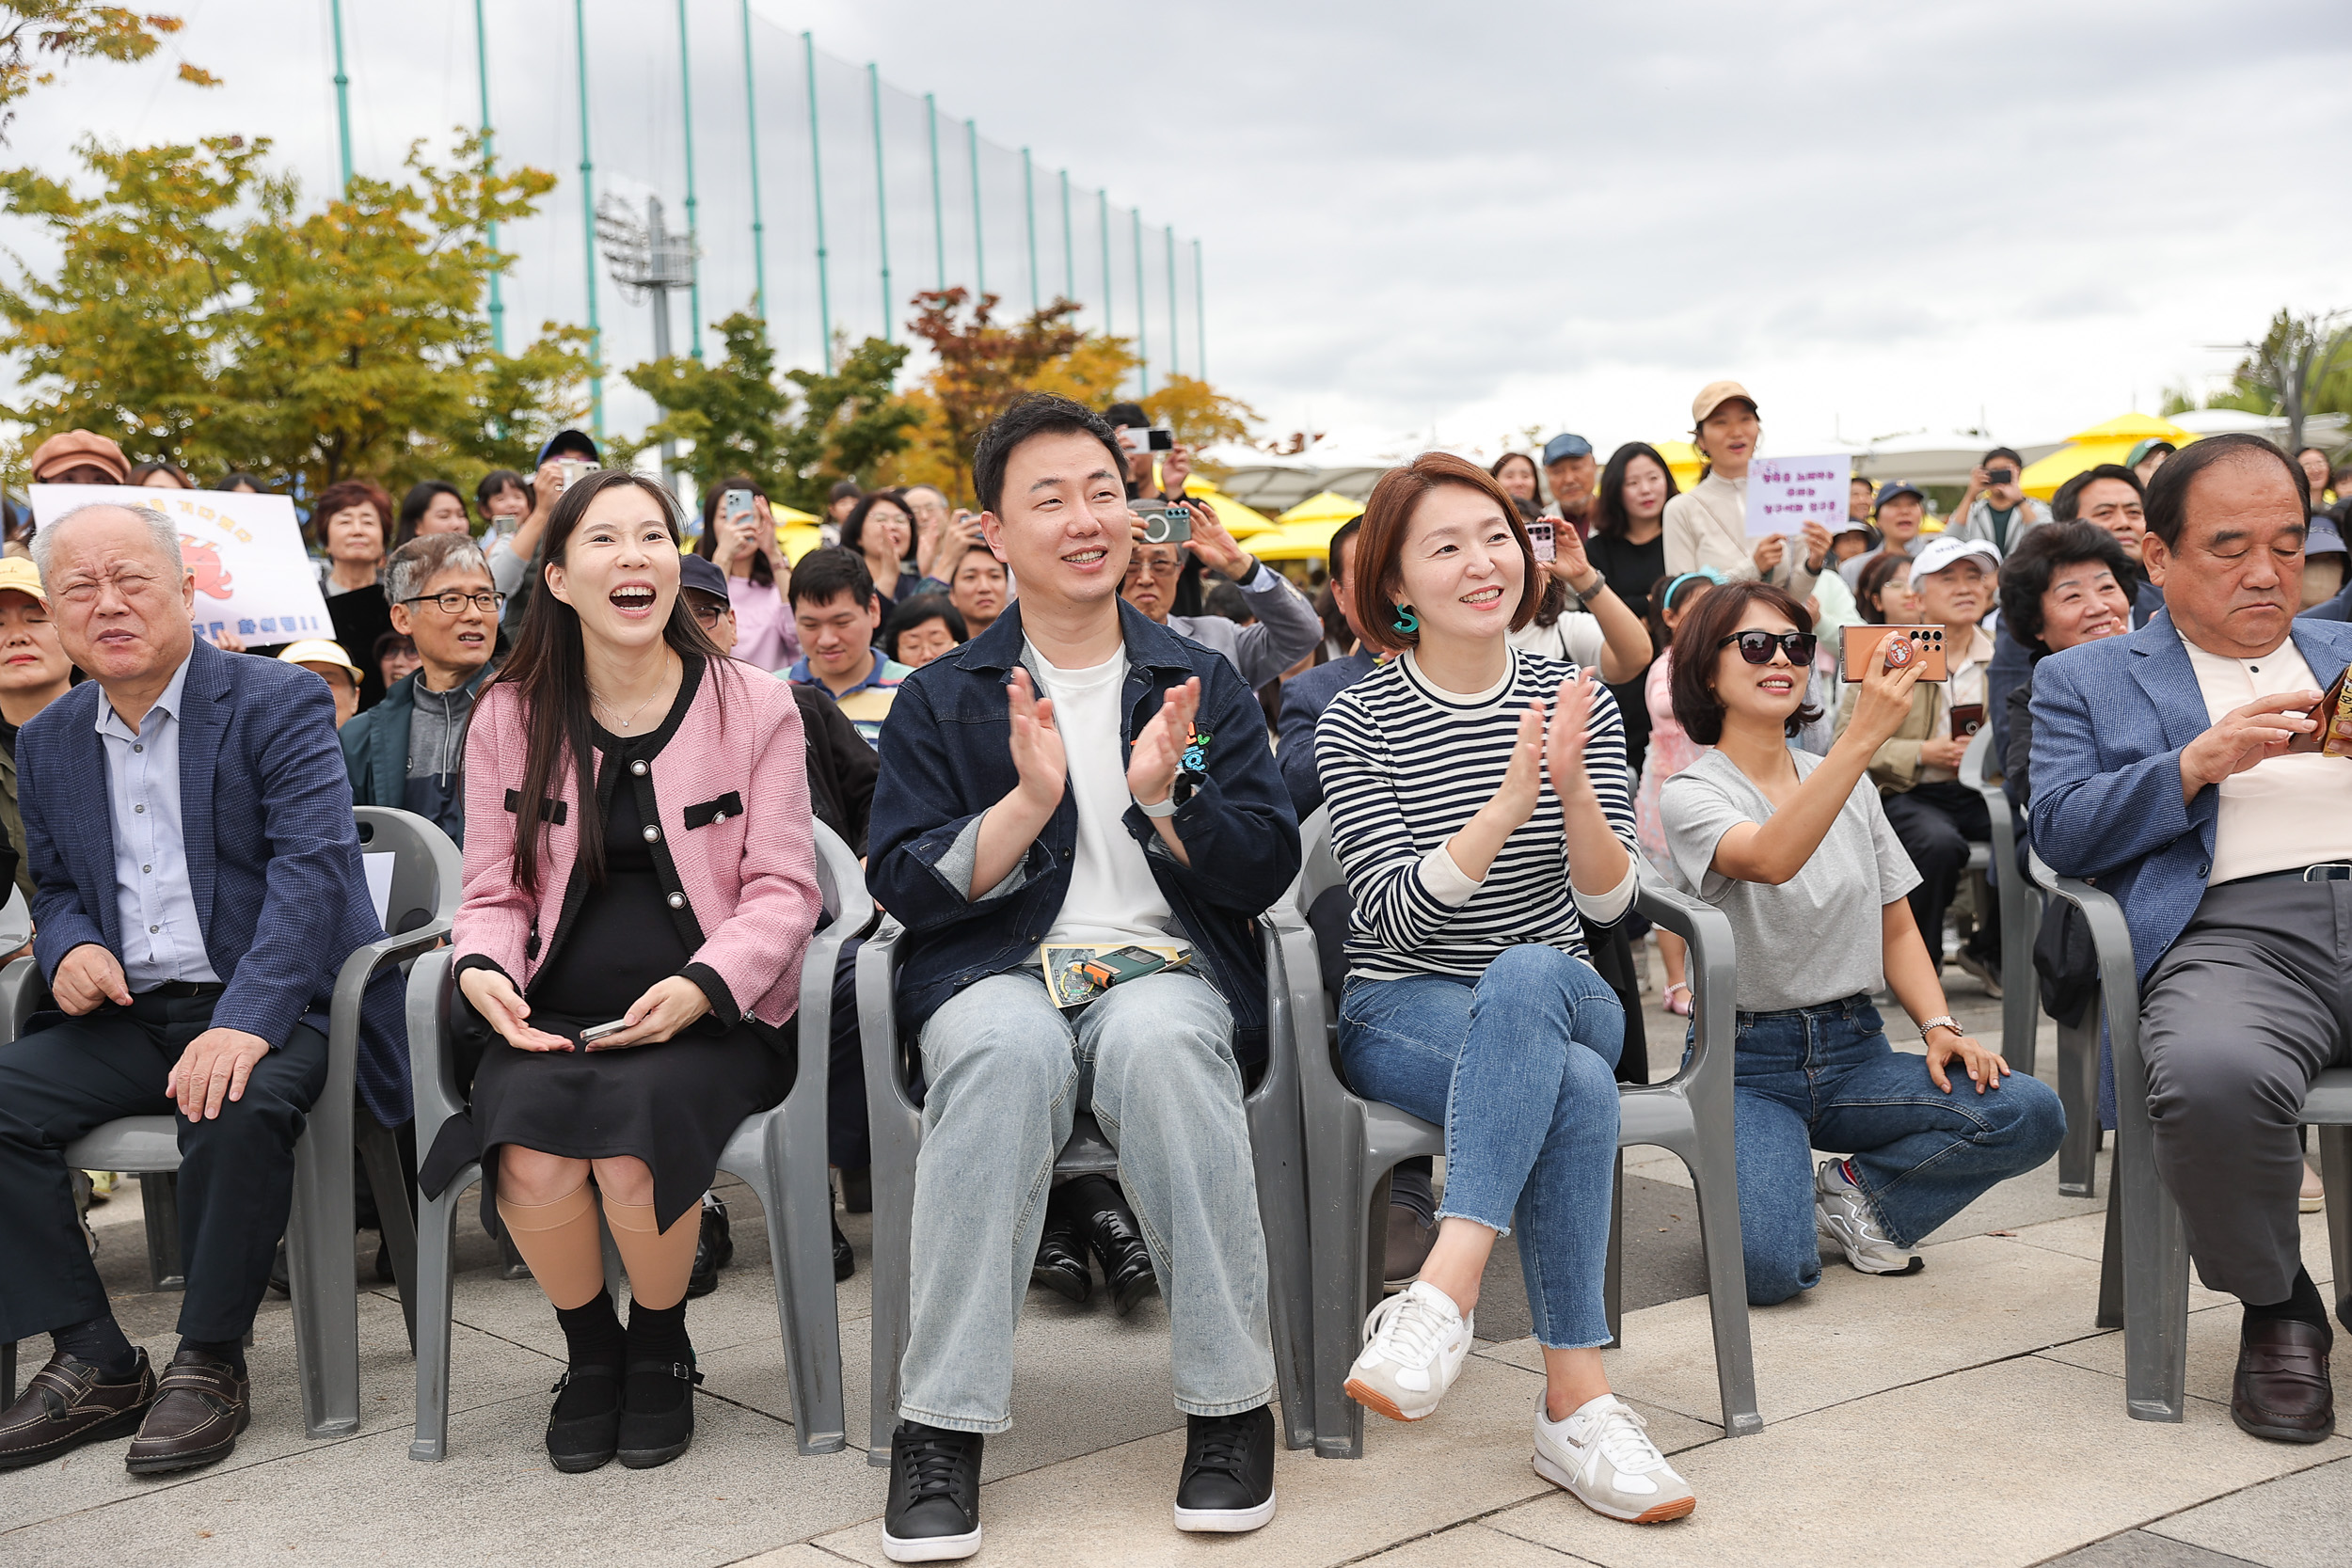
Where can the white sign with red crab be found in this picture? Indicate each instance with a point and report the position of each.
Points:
(253, 576)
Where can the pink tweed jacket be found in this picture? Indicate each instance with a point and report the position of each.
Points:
(732, 803)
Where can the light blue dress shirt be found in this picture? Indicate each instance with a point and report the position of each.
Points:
(162, 940)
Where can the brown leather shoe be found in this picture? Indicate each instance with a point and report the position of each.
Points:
(1409, 1245)
(201, 1406)
(2282, 1390)
(66, 1406)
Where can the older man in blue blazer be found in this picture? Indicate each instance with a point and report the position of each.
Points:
(2180, 766)
(188, 818)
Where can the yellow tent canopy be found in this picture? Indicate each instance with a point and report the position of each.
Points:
(1240, 521)
(2108, 442)
(798, 537)
(1328, 507)
(1683, 459)
(1307, 541)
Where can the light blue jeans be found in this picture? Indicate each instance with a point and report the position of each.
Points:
(1520, 1070)
(1153, 1060)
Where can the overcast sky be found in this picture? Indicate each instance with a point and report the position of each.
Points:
(1452, 220)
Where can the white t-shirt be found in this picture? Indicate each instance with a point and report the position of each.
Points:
(2284, 813)
(1576, 638)
(1113, 899)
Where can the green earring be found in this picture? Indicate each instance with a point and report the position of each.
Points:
(1406, 622)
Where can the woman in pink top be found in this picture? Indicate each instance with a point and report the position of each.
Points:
(744, 544)
(640, 885)
(1670, 751)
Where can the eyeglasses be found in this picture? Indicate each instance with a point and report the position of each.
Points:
(1757, 647)
(708, 614)
(454, 603)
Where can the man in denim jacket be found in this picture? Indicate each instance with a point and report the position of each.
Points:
(1077, 774)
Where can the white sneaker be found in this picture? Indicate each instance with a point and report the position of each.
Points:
(1415, 1343)
(1841, 1213)
(1603, 1456)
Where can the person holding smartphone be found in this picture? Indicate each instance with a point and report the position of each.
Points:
(740, 538)
(1798, 851)
(640, 886)
(1995, 509)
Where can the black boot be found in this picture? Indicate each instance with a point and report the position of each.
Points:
(1061, 1252)
(1117, 1241)
(844, 1260)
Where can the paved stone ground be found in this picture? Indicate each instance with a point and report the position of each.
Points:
(1969, 1415)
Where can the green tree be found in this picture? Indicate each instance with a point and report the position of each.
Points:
(740, 417)
(77, 30)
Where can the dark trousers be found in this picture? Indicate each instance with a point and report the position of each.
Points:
(237, 1171)
(1937, 822)
(2251, 1000)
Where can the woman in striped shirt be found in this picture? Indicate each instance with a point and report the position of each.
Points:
(1480, 805)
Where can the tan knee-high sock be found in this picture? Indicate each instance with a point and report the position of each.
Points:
(559, 1240)
(658, 1262)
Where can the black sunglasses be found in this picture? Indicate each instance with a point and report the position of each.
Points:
(1757, 647)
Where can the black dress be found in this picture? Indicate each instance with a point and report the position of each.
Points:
(1633, 571)
(673, 1104)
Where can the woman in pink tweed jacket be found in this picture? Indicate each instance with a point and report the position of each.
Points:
(641, 882)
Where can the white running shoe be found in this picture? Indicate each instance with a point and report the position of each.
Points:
(1415, 1343)
(1603, 1456)
(1842, 1213)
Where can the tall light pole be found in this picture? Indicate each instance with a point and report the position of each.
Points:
(649, 263)
(882, 193)
(694, 283)
(588, 223)
(751, 138)
(489, 166)
(343, 94)
(817, 189)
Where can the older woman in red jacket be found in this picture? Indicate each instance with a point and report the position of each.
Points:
(640, 885)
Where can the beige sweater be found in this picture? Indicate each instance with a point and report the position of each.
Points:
(1708, 527)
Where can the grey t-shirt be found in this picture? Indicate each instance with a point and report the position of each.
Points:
(1816, 938)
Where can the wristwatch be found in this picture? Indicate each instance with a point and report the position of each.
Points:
(1944, 1020)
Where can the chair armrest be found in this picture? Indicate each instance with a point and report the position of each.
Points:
(1977, 770)
(23, 994)
(1714, 970)
(351, 987)
(878, 1019)
(431, 1069)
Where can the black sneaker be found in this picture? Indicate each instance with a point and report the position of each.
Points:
(934, 1508)
(714, 1251)
(1228, 1484)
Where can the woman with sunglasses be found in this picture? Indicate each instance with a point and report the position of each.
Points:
(1479, 805)
(1796, 849)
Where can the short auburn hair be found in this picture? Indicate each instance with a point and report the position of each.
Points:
(1375, 571)
(1715, 616)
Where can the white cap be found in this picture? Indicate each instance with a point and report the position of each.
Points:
(1944, 550)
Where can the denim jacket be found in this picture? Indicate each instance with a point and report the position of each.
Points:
(946, 757)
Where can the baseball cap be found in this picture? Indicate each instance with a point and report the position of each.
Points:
(71, 447)
(1713, 396)
(1894, 487)
(1849, 526)
(1945, 549)
(310, 650)
(702, 576)
(2325, 538)
(2144, 445)
(22, 575)
(1563, 447)
(571, 440)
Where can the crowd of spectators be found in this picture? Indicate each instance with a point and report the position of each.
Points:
(1048, 728)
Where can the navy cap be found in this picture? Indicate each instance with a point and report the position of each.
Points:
(1560, 449)
(702, 574)
(570, 441)
(1894, 487)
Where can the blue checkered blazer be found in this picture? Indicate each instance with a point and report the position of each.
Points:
(2110, 721)
(273, 852)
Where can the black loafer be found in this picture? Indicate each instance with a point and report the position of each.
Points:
(657, 1412)
(1061, 1259)
(586, 1435)
(714, 1251)
(844, 1260)
(1119, 1246)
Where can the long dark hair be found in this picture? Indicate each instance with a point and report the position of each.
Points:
(708, 544)
(1608, 514)
(549, 670)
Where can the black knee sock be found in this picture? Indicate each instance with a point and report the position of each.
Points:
(592, 1333)
(101, 1343)
(229, 1352)
(2302, 1305)
(657, 1339)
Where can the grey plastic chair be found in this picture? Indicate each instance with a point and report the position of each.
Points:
(2079, 1088)
(2021, 907)
(1272, 1106)
(318, 1257)
(1354, 1142)
(2143, 1273)
(779, 1153)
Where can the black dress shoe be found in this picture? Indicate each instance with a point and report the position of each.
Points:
(281, 1273)
(200, 1406)
(1062, 1257)
(584, 1427)
(657, 1412)
(67, 1405)
(1228, 1481)
(934, 1514)
(857, 1189)
(844, 1260)
(1119, 1246)
(2282, 1390)
(714, 1251)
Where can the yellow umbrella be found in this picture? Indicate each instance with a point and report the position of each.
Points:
(1330, 507)
(1307, 541)
(2109, 442)
(1241, 521)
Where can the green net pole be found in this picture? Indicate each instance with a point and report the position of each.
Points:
(751, 138)
(1029, 204)
(979, 249)
(1103, 212)
(1200, 318)
(882, 193)
(1175, 340)
(939, 212)
(588, 221)
(816, 192)
(489, 166)
(342, 96)
(1069, 245)
(1143, 316)
(693, 265)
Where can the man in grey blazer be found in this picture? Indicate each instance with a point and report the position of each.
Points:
(2180, 767)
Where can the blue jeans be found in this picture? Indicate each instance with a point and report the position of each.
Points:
(1153, 1060)
(1825, 1078)
(1520, 1070)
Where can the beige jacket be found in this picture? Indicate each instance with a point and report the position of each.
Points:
(1895, 766)
(1708, 527)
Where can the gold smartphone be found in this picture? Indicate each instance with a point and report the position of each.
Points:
(1858, 650)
